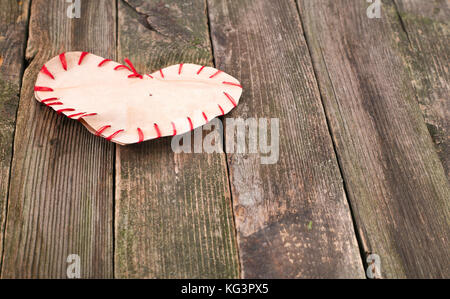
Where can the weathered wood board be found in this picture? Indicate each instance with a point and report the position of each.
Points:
(428, 30)
(13, 37)
(292, 217)
(173, 211)
(61, 190)
(395, 181)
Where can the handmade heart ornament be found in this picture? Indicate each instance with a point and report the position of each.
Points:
(116, 102)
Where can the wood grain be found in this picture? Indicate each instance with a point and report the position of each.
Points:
(292, 217)
(427, 27)
(173, 211)
(13, 37)
(396, 184)
(60, 197)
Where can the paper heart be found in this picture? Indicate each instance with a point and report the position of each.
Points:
(116, 102)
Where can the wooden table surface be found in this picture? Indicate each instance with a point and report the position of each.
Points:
(364, 151)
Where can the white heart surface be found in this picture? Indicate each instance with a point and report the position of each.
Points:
(114, 101)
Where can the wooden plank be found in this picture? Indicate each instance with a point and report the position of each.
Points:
(60, 197)
(396, 184)
(173, 211)
(427, 27)
(292, 217)
(13, 36)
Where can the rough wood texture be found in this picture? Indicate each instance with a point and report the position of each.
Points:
(60, 197)
(427, 26)
(292, 217)
(396, 184)
(13, 36)
(173, 211)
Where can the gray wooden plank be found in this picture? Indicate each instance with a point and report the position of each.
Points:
(60, 196)
(427, 27)
(395, 181)
(292, 217)
(173, 212)
(13, 37)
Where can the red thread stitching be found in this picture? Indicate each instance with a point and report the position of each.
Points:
(158, 132)
(89, 114)
(230, 98)
(54, 104)
(174, 129)
(190, 123)
(150, 76)
(231, 83)
(135, 73)
(200, 70)
(221, 109)
(141, 135)
(215, 74)
(101, 130)
(82, 57)
(161, 72)
(42, 88)
(205, 117)
(76, 114)
(179, 69)
(64, 110)
(121, 66)
(48, 100)
(114, 134)
(103, 61)
(47, 72)
(62, 58)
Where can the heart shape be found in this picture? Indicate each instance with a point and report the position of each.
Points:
(116, 102)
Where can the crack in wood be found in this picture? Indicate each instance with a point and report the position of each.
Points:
(144, 19)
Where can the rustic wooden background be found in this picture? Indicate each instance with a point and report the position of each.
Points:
(364, 158)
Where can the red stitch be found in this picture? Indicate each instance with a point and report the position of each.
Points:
(221, 109)
(231, 83)
(62, 58)
(103, 61)
(161, 72)
(135, 73)
(82, 57)
(121, 66)
(190, 123)
(215, 74)
(64, 110)
(54, 103)
(179, 69)
(205, 117)
(158, 132)
(200, 70)
(174, 129)
(47, 72)
(90, 114)
(101, 130)
(76, 114)
(150, 76)
(127, 61)
(230, 98)
(114, 134)
(48, 100)
(141, 135)
(42, 88)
